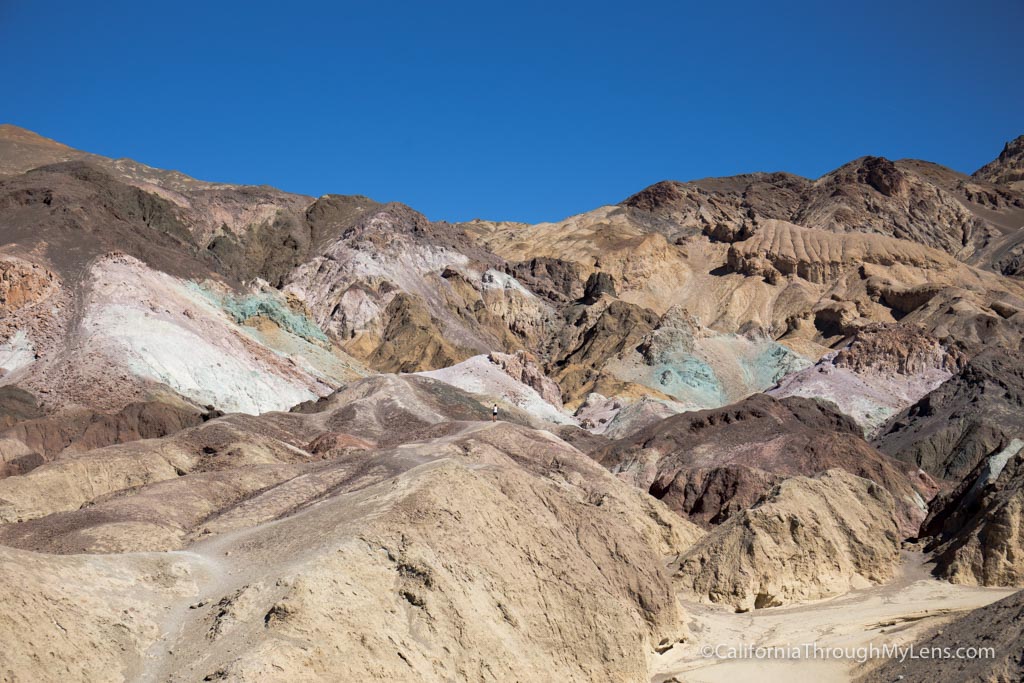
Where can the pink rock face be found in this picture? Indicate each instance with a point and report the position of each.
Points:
(885, 369)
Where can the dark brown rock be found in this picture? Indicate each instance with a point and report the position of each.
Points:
(952, 429)
(709, 465)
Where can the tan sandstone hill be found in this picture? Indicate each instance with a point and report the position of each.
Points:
(463, 550)
(809, 538)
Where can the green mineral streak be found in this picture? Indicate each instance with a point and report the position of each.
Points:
(690, 378)
(772, 363)
(684, 374)
(265, 305)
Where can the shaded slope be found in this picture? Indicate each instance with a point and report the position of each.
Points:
(975, 529)
(969, 417)
(711, 465)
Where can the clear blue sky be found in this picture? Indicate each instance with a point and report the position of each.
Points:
(513, 110)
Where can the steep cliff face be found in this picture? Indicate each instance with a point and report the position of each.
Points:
(975, 529)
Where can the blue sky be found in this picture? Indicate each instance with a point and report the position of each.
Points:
(513, 110)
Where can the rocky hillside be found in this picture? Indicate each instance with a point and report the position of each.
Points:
(693, 294)
(1007, 168)
(775, 553)
(405, 474)
(713, 464)
(248, 435)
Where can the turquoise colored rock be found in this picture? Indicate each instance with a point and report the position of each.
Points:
(266, 305)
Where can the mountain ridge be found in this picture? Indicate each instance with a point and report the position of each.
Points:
(306, 437)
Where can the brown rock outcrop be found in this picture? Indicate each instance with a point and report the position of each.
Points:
(553, 278)
(595, 336)
(412, 341)
(711, 465)
(22, 284)
(976, 530)
(1008, 167)
(896, 350)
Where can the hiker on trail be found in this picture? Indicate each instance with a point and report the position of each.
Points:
(494, 413)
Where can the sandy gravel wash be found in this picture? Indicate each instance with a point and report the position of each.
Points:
(897, 613)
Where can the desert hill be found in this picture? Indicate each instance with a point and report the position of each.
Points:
(247, 434)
